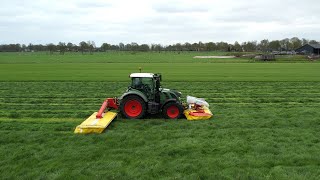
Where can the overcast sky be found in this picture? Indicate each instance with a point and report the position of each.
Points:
(163, 21)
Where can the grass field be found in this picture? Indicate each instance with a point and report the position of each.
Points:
(171, 72)
(135, 57)
(266, 120)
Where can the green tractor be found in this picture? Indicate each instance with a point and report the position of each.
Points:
(145, 95)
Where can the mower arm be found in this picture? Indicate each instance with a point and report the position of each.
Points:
(108, 103)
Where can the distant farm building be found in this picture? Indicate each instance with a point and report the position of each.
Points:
(309, 49)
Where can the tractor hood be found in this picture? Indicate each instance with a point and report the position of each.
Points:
(174, 92)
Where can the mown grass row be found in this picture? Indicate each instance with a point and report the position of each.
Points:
(240, 144)
(191, 72)
(259, 130)
(79, 99)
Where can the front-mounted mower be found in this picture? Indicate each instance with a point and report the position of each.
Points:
(145, 96)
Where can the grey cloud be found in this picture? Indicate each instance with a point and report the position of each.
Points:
(93, 4)
(165, 22)
(177, 20)
(177, 9)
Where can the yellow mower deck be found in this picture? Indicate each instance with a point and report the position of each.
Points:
(201, 116)
(94, 125)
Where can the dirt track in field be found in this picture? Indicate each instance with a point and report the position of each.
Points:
(214, 57)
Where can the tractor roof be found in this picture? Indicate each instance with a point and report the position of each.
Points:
(148, 75)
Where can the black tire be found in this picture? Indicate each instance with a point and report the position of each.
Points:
(130, 99)
(172, 110)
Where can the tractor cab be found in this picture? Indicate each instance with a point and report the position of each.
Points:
(147, 83)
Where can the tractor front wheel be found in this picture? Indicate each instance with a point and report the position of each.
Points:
(133, 107)
(172, 110)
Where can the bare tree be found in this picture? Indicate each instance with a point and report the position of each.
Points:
(121, 46)
(83, 46)
(51, 48)
(275, 45)
(264, 45)
(70, 46)
(62, 47)
(91, 46)
(237, 46)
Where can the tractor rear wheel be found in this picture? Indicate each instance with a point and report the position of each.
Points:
(172, 110)
(133, 107)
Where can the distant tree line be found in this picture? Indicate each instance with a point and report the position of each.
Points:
(90, 47)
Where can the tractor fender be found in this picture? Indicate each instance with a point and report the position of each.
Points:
(137, 93)
(167, 101)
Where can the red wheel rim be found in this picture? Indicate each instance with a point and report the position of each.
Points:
(133, 108)
(173, 111)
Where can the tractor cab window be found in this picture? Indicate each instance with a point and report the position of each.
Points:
(140, 83)
(148, 83)
(136, 83)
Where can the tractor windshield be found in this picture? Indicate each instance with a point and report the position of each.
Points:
(143, 83)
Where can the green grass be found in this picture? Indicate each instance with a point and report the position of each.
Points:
(259, 129)
(134, 57)
(265, 125)
(80, 99)
(112, 57)
(171, 72)
(229, 147)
